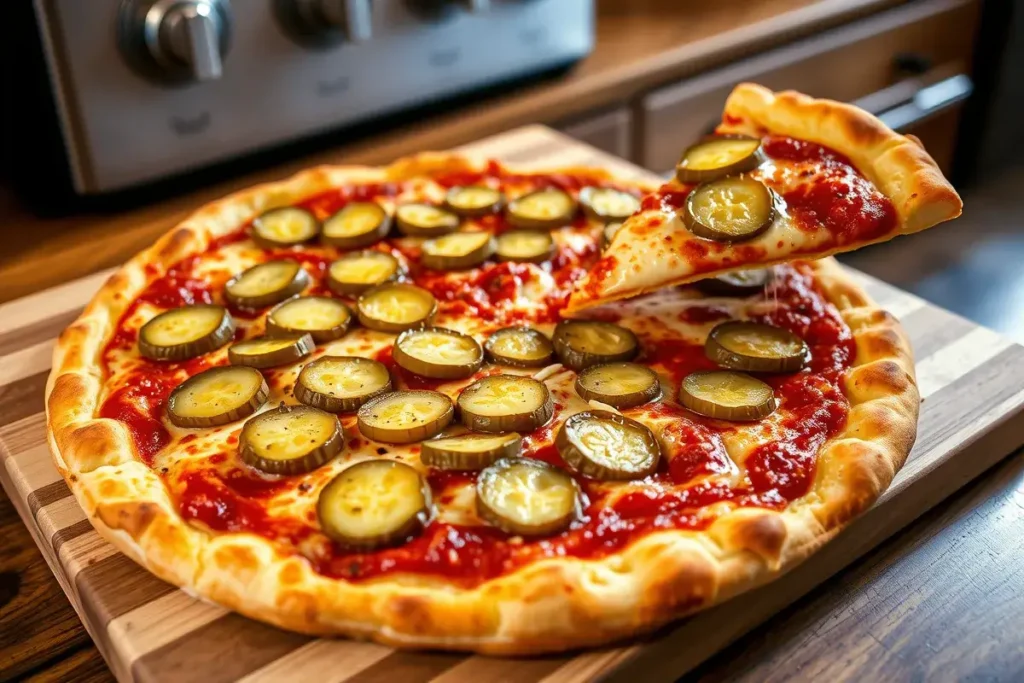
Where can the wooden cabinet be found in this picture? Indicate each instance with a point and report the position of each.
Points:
(611, 131)
(875, 61)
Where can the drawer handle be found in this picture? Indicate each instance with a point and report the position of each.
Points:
(927, 102)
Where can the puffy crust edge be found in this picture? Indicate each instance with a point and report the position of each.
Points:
(552, 605)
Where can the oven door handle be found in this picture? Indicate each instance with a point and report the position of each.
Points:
(910, 102)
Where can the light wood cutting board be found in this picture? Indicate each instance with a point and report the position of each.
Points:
(970, 378)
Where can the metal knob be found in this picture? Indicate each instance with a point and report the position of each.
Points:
(321, 23)
(175, 41)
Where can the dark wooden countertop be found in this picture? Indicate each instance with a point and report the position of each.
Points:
(640, 44)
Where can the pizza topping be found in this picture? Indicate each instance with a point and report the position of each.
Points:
(186, 332)
(469, 451)
(542, 210)
(521, 347)
(396, 307)
(359, 224)
(323, 318)
(474, 200)
(732, 209)
(405, 416)
(374, 504)
(217, 396)
(354, 273)
(727, 395)
(291, 440)
(754, 347)
(620, 385)
(608, 446)
(457, 251)
(266, 284)
(582, 343)
(425, 220)
(527, 497)
(529, 246)
(607, 204)
(737, 283)
(608, 233)
(269, 352)
(284, 227)
(717, 156)
(341, 384)
(438, 353)
(506, 403)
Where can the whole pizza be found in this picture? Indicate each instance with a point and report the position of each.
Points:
(454, 404)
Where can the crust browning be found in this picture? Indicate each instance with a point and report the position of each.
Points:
(551, 605)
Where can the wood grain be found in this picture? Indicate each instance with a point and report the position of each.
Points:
(635, 51)
(973, 403)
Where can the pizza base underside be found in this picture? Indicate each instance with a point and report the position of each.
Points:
(550, 605)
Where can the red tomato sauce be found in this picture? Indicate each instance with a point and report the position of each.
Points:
(225, 498)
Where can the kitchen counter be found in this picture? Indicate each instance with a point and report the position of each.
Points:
(635, 50)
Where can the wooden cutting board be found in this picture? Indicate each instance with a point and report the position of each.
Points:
(970, 378)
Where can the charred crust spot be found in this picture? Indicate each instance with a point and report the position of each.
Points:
(885, 376)
(132, 518)
(413, 613)
(883, 342)
(176, 243)
(683, 585)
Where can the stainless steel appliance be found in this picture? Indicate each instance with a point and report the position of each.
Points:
(145, 89)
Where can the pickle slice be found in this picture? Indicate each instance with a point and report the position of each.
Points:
(528, 246)
(607, 204)
(582, 343)
(732, 209)
(727, 395)
(457, 251)
(469, 451)
(284, 227)
(322, 318)
(359, 224)
(217, 396)
(738, 283)
(438, 353)
(354, 273)
(608, 446)
(620, 385)
(717, 156)
(542, 210)
(186, 332)
(374, 504)
(527, 497)
(266, 284)
(521, 347)
(608, 233)
(506, 403)
(472, 201)
(425, 220)
(341, 384)
(753, 347)
(290, 440)
(396, 307)
(269, 352)
(405, 416)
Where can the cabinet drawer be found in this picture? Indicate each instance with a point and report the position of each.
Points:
(611, 131)
(848, 63)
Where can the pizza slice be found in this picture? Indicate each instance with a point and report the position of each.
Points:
(785, 176)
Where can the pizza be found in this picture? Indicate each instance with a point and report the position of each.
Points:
(784, 176)
(349, 403)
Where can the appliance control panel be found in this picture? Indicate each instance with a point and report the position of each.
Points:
(151, 88)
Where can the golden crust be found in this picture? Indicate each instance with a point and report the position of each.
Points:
(552, 605)
(896, 164)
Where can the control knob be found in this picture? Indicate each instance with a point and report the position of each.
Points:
(322, 23)
(175, 41)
